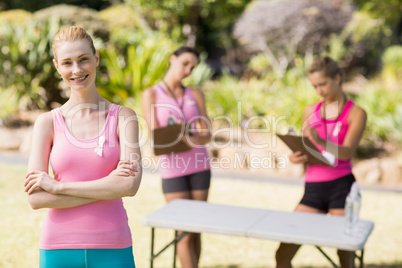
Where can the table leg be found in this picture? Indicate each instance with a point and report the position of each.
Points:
(152, 246)
(175, 249)
(360, 258)
(176, 239)
(326, 256)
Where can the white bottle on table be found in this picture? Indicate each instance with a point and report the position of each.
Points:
(352, 208)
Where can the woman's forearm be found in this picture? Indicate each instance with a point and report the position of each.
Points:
(110, 187)
(340, 152)
(42, 199)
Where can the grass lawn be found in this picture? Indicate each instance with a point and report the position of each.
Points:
(20, 225)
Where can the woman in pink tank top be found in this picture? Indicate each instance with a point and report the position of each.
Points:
(335, 125)
(185, 175)
(92, 146)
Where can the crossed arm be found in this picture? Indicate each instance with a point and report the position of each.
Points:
(46, 192)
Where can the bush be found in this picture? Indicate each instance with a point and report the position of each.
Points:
(140, 66)
(121, 21)
(361, 43)
(69, 15)
(16, 16)
(383, 107)
(392, 64)
(27, 68)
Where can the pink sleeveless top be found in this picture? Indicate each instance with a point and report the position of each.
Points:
(101, 224)
(336, 130)
(179, 164)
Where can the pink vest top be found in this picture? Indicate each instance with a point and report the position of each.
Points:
(336, 130)
(101, 224)
(180, 164)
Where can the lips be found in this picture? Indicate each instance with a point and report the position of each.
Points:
(79, 79)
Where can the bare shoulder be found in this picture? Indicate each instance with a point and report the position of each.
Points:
(44, 125)
(197, 94)
(149, 92)
(310, 109)
(356, 112)
(126, 112)
(44, 120)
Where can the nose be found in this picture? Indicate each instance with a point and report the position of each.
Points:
(319, 90)
(187, 72)
(76, 68)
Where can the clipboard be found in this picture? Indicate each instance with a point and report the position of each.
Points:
(306, 147)
(166, 139)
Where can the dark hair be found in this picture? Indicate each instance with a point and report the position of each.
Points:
(326, 65)
(185, 49)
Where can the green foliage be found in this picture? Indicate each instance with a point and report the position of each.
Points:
(138, 67)
(383, 107)
(390, 10)
(8, 102)
(259, 65)
(392, 63)
(211, 19)
(69, 15)
(27, 68)
(15, 16)
(262, 100)
(121, 20)
(361, 42)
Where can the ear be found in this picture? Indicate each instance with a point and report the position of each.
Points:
(172, 58)
(56, 64)
(338, 79)
(97, 58)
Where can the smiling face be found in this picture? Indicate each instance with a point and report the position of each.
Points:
(76, 63)
(183, 65)
(328, 88)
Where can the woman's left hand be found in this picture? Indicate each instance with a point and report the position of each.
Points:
(40, 179)
(312, 134)
(190, 139)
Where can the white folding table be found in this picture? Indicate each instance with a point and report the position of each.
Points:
(290, 227)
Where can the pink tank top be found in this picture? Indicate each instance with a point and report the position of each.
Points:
(101, 224)
(336, 130)
(180, 164)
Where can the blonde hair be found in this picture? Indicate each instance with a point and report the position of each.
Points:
(71, 34)
(328, 66)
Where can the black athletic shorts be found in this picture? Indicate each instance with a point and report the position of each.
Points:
(196, 181)
(328, 194)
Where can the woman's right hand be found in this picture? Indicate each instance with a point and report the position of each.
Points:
(125, 168)
(298, 158)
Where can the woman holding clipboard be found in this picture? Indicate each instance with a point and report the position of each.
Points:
(185, 175)
(335, 126)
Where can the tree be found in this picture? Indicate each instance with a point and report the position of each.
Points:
(205, 24)
(282, 29)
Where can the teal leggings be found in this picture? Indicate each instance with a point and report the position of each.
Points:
(87, 258)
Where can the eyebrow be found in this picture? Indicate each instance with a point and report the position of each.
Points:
(80, 56)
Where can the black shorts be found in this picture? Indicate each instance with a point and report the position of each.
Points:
(328, 194)
(196, 181)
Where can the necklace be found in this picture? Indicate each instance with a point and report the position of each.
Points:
(180, 105)
(337, 127)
